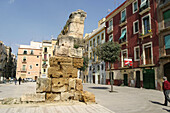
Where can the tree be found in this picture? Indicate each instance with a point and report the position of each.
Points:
(109, 52)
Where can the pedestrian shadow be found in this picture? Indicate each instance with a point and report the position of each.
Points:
(166, 109)
(98, 87)
(154, 102)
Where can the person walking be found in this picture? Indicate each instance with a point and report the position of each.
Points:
(20, 80)
(166, 86)
(15, 81)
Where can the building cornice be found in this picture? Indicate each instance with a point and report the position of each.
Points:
(119, 9)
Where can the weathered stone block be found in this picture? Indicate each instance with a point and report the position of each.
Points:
(70, 71)
(77, 62)
(53, 61)
(53, 97)
(72, 84)
(60, 84)
(43, 85)
(79, 86)
(52, 72)
(66, 96)
(78, 96)
(88, 97)
(38, 97)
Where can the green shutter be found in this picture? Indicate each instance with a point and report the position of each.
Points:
(167, 16)
(123, 34)
(167, 42)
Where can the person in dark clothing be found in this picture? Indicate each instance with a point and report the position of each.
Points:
(15, 81)
(166, 86)
(19, 80)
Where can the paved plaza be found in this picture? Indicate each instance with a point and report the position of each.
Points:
(122, 100)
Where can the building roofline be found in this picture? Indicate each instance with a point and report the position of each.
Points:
(115, 10)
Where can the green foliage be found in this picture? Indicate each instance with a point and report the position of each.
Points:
(85, 63)
(76, 46)
(109, 51)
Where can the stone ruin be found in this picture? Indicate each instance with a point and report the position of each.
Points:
(62, 83)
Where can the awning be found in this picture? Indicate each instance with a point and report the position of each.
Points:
(123, 34)
(143, 4)
(167, 42)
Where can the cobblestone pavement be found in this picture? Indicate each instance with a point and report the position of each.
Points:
(128, 99)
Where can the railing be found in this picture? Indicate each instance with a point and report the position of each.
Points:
(45, 59)
(167, 23)
(163, 2)
(24, 61)
(147, 29)
(145, 6)
(44, 65)
(23, 70)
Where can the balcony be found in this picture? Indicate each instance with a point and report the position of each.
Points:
(144, 8)
(122, 23)
(44, 65)
(164, 3)
(146, 33)
(23, 70)
(24, 61)
(123, 43)
(109, 29)
(45, 59)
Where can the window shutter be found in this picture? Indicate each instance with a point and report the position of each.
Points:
(167, 42)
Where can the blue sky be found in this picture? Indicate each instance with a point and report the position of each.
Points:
(24, 20)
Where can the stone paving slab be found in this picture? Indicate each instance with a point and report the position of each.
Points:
(92, 108)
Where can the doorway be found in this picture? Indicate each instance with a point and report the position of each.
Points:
(98, 79)
(126, 79)
(167, 71)
(138, 79)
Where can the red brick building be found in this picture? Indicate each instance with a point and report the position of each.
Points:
(134, 25)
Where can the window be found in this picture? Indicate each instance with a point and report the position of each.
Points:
(123, 35)
(44, 62)
(24, 67)
(90, 43)
(111, 37)
(124, 54)
(123, 16)
(24, 59)
(32, 52)
(146, 24)
(37, 56)
(111, 23)
(36, 64)
(167, 44)
(98, 67)
(166, 15)
(102, 36)
(45, 49)
(135, 27)
(94, 43)
(49, 55)
(25, 52)
(91, 56)
(90, 68)
(143, 3)
(98, 39)
(28, 72)
(135, 6)
(45, 56)
(102, 67)
(147, 53)
(44, 70)
(94, 56)
(30, 66)
(136, 53)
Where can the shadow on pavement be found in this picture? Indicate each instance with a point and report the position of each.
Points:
(154, 102)
(166, 109)
(98, 87)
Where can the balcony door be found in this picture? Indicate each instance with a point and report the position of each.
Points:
(148, 55)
